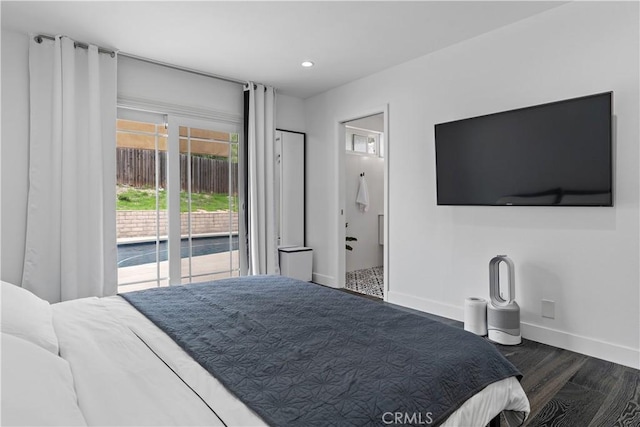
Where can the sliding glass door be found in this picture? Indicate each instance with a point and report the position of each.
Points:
(141, 215)
(177, 200)
(203, 200)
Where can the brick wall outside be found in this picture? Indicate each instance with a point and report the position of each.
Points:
(143, 223)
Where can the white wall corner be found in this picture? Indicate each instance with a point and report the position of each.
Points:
(325, 280)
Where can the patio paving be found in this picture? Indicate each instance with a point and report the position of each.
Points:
(212, 267)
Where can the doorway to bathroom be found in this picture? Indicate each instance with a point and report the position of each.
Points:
(363, 180)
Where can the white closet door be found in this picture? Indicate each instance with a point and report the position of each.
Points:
(291, 150)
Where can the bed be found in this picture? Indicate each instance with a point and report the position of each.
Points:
(244, 352)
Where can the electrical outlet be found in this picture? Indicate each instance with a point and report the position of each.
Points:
(548, 309)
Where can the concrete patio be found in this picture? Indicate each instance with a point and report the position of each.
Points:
(212, 267)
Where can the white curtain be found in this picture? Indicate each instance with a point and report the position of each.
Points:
(70, 243)
(263, 252)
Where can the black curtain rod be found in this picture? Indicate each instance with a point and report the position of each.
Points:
(39, 38)
(76, 44)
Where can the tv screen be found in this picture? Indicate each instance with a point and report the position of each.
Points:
(556, 154)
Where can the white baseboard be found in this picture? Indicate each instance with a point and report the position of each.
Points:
(426, 305)
(324, 280)
(615, 353)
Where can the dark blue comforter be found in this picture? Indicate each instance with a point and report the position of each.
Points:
(300, 354)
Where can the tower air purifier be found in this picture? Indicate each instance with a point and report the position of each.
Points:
(503, 313)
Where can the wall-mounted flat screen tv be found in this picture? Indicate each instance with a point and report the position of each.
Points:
(556, 154)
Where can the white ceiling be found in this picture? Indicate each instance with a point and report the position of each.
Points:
(266, 41)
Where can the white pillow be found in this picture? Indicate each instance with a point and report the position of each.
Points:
(27, 316)
(37, 387)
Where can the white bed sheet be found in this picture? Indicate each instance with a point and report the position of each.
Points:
(119, 361)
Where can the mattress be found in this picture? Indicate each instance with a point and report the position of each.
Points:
(126, 372)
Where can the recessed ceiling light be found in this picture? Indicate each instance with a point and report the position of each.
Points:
(307, 64)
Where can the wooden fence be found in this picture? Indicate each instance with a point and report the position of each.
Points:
(137, 168)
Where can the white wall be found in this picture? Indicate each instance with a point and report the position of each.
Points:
(203, 93)
(585, 259)
(375, 123)
(290, 113)
(141, 82)
(367, 252)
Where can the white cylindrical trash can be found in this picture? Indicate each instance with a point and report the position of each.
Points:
(475, 315)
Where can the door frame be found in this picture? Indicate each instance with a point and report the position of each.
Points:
(340, 200)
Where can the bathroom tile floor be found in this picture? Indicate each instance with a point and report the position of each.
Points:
(368, 281)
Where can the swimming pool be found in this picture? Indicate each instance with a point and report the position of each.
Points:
(130, 254)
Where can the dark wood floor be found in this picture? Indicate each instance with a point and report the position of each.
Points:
(570, 389)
